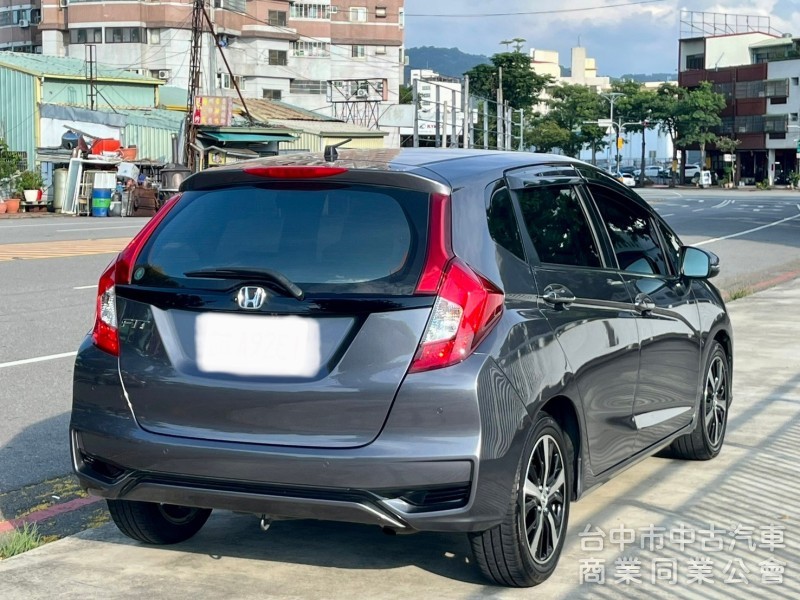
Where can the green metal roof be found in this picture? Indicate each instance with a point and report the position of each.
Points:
(154, 117)
(170, 95)
(249, 137)
(63, 67)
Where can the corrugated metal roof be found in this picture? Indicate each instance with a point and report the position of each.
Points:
(64, 67)
(337, 128)
(153, 117)
(269, 110)
(783, 41)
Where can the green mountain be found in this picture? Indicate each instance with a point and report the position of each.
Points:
(445, 61)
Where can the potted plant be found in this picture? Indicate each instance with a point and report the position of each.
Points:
(29, 183)
(12, 205)
(794, 180)
(727, 180)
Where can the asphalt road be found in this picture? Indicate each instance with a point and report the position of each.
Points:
(47, 304)
(755, 234)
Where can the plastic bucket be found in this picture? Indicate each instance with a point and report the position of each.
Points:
(101, 201)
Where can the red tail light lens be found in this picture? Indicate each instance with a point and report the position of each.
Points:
(105, 334)
(465, 310)
(295, 172)
(439, 245)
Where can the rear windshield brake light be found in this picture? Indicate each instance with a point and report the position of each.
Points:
(294, 172)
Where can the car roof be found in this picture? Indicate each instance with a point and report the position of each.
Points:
(446, 165)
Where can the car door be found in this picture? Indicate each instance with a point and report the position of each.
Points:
(667, 315)
(587, 305)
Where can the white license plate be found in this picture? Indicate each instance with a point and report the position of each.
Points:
(257, 345)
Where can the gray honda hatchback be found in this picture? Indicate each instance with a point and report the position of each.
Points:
(423, 340)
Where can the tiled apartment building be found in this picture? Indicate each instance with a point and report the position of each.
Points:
(277, 49)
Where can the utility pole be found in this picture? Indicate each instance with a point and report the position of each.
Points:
(645, 123)
(415, 100)
(194, 82)
(612, 98)
(453, 121)
(437, 118)
(485, 124)
(199, 17)
(466, 111)
(521, 130)
(500, 109)
(91, 74)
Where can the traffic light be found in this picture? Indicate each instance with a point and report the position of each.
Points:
(620, 143)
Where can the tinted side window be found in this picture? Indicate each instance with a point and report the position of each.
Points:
(672, 247)
(557, 225)
(503, 223)
(632, 236)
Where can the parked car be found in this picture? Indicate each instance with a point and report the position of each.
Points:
(419, 339)
(691, 171)
(625, 178)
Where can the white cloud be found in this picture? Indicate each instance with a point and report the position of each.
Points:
(624, 39)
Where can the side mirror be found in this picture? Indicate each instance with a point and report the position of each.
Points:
(698, 264)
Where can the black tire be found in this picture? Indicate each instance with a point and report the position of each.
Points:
(706, 439)
(158, 524)
(504, 552)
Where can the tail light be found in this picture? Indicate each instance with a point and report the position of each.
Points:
(467, 306)
(295, 172)
(105, 334)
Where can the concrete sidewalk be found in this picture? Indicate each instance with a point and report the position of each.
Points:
(733, 519)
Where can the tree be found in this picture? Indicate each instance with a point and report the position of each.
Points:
(667, 113)
(406, 94)
(699, 112)
(546, 134)
(571, 106)
(636, 108)
(728, 145)
(521, 86)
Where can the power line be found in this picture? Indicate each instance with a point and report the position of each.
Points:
(530, 12)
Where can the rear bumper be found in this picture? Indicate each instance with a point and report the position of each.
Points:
(424, 472)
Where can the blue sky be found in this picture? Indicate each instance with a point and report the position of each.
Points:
(624, 37)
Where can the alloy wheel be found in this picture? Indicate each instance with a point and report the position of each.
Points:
(716, 400)
(544, 499)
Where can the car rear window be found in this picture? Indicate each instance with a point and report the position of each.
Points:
(326, 238)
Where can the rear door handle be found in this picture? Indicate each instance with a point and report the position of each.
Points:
(644, 304)
(558, 295)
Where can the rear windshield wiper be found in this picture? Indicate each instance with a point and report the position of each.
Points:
(280, 281)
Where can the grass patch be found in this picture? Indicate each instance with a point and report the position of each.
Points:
(739, 293)
(20, 540)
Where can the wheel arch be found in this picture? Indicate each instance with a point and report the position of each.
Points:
(565, 413)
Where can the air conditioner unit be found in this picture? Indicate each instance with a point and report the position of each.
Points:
(24, 24)
(63, 3)
(163, 74)
(362, 93)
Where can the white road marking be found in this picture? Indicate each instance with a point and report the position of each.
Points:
(85, 287)
(733, 235)
(722, 204)
(669, 215)
(26, 361)
(698, 210)
(98, 228)
(52, 224)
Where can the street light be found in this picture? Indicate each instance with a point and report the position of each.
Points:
(612, 97)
